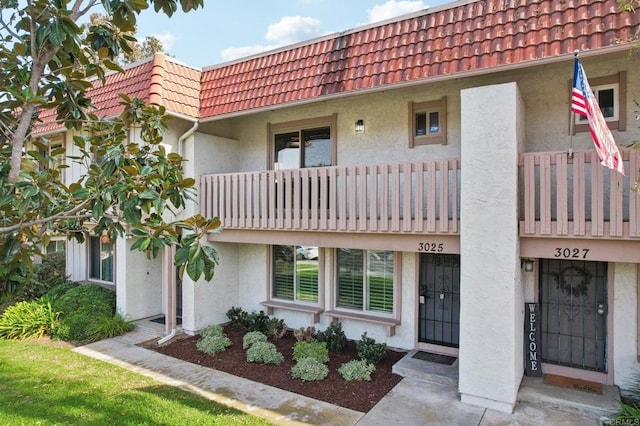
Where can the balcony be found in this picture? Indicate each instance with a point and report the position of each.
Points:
(412, 198)
(577, 197)
(560, 197)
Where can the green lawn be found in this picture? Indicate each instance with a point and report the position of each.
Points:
(46, 385)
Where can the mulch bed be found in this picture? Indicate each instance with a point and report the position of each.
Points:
(356, 395)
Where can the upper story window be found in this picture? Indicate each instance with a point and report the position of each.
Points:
(428, 122)
(101, 255)
(365, 281)
(611, 94)
(51, 152)
(303, 143)
(295, 273)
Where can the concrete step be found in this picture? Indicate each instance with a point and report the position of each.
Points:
(431, 372)
(534, 392)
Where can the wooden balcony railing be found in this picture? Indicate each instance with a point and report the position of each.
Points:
(412, 197)
(577, 197)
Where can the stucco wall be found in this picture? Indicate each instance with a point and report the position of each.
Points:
(206, 303)
(139, 282)
(491, 291)
(544, 89)
(625, 324)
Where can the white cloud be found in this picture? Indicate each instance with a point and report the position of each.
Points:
(289, 30)
(231, 53)
(167, 40)
(393, 8)
(292, 29)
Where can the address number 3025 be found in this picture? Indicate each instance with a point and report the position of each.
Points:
(431, 247)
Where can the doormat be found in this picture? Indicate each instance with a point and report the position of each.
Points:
(162, 319)
(440, 359)
(577, 384)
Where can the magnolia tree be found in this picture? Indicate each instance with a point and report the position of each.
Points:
(130, 186)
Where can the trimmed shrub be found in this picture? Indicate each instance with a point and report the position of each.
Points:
(213, 343)
(276, 328)
(369, 350)
(305, 334)
(264, 353)
(28, 319)
(252, 337)
(334, 337)
(316, 350)
(57, 291)
(91, 297)
(238, 317)
(357, 369)
(74, 326)
(104, 327)
(309, 370)
(212, 331)
(258, 321)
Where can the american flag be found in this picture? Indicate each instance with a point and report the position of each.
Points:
(584, 102)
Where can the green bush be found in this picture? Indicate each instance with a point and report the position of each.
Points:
(213, 343)
(51, 272)
(212, 331)
(334, 337)
(58, 290)
(316, 350)
(252, 337)
(369, 350)
(357, 369)
(258, 321)
(104, 327)
(276, 328)
(74, 327)
(309, 370)
(238, 317)
(264, 353)
(28, 319)
(629, 414)
(91, 297)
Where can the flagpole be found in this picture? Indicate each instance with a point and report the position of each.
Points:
(572, 127)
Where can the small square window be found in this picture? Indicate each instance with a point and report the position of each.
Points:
(428, 123)
(611, 94)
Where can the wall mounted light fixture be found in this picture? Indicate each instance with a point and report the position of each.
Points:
(359, 126)
(527, 264)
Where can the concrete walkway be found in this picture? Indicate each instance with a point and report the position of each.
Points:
(411, 402)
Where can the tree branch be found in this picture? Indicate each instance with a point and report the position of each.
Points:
(69, 214)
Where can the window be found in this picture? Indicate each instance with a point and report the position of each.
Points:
(428, 123)
(611, 94)
(365, 280)
(295, 273)
(304, 143)
(55, 246)
(51, 152)
(101, 253)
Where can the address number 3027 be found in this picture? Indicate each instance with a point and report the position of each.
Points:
(431, 247)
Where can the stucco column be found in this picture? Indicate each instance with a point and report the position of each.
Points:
(491, 300)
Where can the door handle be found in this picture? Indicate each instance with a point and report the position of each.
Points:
(601, 309)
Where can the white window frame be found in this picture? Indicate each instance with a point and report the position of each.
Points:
(617, 82)
(365, 291)
(295, 300)
(91, 244)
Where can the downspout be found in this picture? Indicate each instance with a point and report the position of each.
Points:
(170, 273)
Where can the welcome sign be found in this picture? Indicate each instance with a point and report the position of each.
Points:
(531, 342)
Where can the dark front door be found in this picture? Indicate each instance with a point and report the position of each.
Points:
(573, 313)
(439, 299)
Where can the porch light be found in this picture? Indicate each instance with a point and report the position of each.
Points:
(527, 264)
(359, 127)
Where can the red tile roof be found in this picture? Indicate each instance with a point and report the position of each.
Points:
(159, 80)
(457, 39)
(461, 37)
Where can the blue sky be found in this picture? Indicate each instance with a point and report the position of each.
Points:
(227, 30)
